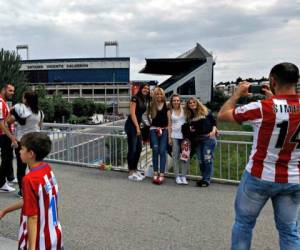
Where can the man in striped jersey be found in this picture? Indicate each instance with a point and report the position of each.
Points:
(273, 169)
(6, 140)
(39, 227)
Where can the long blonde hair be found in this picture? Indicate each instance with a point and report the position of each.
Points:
(154, 104)
(201, 110)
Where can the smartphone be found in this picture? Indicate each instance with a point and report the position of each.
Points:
(256, 89)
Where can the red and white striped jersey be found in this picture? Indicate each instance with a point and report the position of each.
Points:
(40, 193)
(4, 112)
(275, 154)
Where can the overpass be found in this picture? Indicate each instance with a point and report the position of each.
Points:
(103, 210)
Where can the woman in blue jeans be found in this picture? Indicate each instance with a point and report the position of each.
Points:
(202, 131)
(139, 104)
(159, 134)
(176, 118)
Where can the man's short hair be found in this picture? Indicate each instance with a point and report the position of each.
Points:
(285, 73)
(5, 85)
(38, 142)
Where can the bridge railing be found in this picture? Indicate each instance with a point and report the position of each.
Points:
(88, 145)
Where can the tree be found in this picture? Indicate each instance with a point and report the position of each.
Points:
(100, 108)
(10, 65)
(83, 107)
(218, 100)
(45, 103)
(62, 108)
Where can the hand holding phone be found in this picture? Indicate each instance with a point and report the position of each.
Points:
(256, 89)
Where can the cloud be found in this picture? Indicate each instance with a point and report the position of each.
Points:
(246, 36)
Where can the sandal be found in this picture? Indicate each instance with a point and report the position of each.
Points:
(156, 180)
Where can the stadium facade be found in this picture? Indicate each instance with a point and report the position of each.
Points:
(191, 73)
(104, 80)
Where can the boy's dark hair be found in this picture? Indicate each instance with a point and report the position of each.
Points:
(285, 73)
(38, 142)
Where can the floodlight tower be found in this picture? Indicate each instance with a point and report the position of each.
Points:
(111, 43)
(23, 46)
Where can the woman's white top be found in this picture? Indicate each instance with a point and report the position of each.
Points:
(177, 122)
(32, 120)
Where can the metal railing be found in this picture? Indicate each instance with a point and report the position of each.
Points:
(89, 146)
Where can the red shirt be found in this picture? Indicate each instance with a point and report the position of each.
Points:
(40, 193)
(275, 154)
(4, 112)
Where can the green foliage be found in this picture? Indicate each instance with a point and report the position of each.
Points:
(83, 107)
(48, 108)
(78, 120)
(100, 108)
(10, 65)
(62, 108)
(55, 107)
(218, 100)
(229, 159)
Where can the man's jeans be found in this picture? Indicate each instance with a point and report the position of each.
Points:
(252, 195)
(159, 149)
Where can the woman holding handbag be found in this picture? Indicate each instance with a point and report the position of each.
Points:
(176, 118)
(139, 104)
(202, 132)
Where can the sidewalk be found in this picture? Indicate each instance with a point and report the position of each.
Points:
(103, 210)
(8, 244)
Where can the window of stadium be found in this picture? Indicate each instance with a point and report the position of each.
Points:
(99, 91)
(188, 88)
(87, 91)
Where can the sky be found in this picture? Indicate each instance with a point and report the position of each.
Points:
(246, 37)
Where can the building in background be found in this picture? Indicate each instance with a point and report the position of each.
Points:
(191, 73)
(104, 80)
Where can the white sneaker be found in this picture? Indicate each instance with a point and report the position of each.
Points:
(14, 181)
(6, 188)
(178, 180)
(142, 176)
(184, 181)
(134, 177)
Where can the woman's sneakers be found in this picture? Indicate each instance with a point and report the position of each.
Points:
(184, 181)
(6, 188)
(135, 177)
(141, 175)
(181, 180)
(178, 180)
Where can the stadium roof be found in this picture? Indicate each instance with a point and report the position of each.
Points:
(171, 66)
(177, 67)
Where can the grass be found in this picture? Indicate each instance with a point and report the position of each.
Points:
(229, 158)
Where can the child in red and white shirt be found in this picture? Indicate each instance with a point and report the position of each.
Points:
(39, 227)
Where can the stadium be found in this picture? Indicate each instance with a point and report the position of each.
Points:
(104, 80)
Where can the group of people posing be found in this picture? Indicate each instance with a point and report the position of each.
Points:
(187, 129)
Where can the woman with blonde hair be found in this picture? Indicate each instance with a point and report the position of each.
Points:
(202, 131)
(159, 134)
(176, 116)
